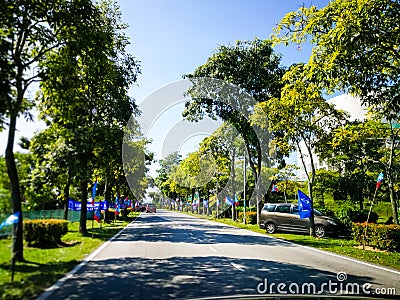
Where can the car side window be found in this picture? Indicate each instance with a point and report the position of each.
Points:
(269, 208)
(283, 209)
(295, 210)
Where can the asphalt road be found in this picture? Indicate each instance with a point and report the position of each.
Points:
(169, 255)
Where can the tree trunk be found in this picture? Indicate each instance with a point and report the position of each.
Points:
(17, 244)
(312, 225)
(66, 197)
(84, 191)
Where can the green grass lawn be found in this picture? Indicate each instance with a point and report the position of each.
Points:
(43, 267)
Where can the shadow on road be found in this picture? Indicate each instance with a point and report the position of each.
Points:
(195, 277)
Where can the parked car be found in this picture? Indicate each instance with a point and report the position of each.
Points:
(285, 217)
(151, 208)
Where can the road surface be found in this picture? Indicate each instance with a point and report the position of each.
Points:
(169, 255)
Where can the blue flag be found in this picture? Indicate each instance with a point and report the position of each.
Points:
(12, 219)
(94, 191)
(229, 200)
(97, 213)
(379, 181)
(304, 205)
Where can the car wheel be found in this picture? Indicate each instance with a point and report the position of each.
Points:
(270, 227)
(320, 231)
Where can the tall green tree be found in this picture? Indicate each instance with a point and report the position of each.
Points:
(355, 46)
(255, 69)
(163, 179)
(28, 31)
(355, 49)
(84, 92)
(304, 117)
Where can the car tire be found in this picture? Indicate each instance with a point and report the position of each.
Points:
(270, 227)
(320, 231)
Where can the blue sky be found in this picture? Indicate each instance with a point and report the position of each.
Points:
(172, 38)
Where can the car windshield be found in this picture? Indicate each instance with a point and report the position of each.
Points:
(318, 213)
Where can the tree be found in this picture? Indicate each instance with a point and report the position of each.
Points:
(167, 166)
(254, 68)
(325, 181)
(84, 92)
(355, 46)
(363, 150)
(284, 175)
(353, 150)
(356, 50)
(304, 117)
(29, 30)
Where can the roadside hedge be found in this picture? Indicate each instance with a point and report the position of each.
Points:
(380, 236)
(44, 232)
(251, 217)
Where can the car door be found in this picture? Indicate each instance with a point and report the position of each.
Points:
(297, 223)
(283, 216)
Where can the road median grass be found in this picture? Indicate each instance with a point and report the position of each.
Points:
(44, 266)
(342, 246)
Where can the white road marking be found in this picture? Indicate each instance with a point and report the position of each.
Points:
(237, 267)
(212, 249)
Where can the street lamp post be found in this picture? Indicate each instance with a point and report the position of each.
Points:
(244, 188)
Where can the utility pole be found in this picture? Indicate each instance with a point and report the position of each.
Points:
(244, 188)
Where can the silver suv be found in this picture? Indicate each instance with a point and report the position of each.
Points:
(285, 217)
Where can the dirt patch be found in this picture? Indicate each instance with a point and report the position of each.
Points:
(369, 248)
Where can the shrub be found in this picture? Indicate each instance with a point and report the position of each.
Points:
(384, 237)
(248, 208)
(44, 232)
(325, 210)
(251, 217)
(348, 215)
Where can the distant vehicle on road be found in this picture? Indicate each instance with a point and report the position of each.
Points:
(151, 208)
(285, 217)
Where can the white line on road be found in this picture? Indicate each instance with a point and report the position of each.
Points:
(213, 249)
(237, 267)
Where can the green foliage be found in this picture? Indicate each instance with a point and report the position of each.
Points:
(248, 209)
(348, 215)
(5, 200)
(251, 217)
(384, 237)
(325, 210)
(243, 74)
(44, 232)
(326, 181)
(356, 46)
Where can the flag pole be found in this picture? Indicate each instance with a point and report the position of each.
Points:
(244, 188)
(378, 184)
(13, 252)
(366, 223)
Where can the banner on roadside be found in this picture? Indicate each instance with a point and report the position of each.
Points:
(76, 205)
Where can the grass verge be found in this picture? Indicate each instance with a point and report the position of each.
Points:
(43, 267)
(347, 247)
